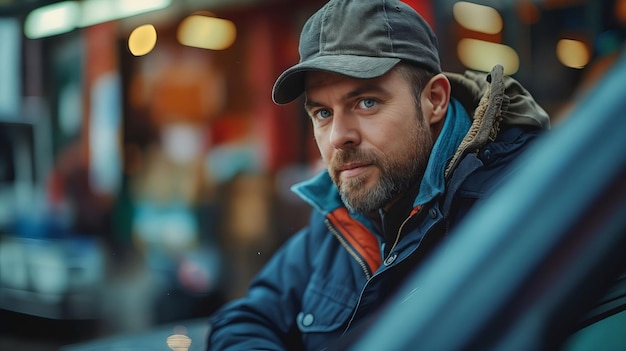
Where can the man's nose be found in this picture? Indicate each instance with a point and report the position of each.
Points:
(345, 131)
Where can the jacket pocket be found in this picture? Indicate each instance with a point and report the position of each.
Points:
(326, 306)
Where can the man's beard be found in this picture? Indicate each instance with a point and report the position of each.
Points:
(398, 172)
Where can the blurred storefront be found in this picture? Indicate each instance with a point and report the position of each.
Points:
(140, 185)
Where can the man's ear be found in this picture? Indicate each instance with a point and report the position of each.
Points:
(435, 99)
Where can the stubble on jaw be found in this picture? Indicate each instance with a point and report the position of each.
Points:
(397, 173)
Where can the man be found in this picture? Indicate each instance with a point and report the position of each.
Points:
(408, 151)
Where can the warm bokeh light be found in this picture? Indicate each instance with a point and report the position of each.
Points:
(482, 55)
(572, 53)
(178, 342)
(207, 32)
(479, 18)
(142, 40)
(65, 16)
(100, 11)
(51, 19)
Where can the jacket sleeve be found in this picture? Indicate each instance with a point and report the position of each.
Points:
(265, 319)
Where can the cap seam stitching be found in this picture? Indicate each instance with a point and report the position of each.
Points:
(324, 20)
(389, 29)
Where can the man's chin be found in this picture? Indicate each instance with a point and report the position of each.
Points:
(361, 199)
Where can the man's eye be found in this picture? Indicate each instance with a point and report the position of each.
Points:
(367, 103)
(322, 114)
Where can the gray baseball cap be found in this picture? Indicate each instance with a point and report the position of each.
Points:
(360, 39)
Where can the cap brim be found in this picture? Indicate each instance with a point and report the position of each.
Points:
(290, 84)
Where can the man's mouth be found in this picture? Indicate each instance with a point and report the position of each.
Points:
(353, 169)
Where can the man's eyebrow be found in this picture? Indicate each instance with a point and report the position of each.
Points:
(309, 105)
(366, 89)
(362, 90)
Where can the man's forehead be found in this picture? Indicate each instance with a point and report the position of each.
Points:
(315, 79)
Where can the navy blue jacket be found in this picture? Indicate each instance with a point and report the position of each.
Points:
(337, 272)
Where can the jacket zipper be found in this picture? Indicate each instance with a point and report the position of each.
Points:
(415, 211)
(349, 248)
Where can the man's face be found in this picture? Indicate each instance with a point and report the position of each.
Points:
(372, 137)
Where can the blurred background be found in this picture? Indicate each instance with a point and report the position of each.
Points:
(145, 171)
